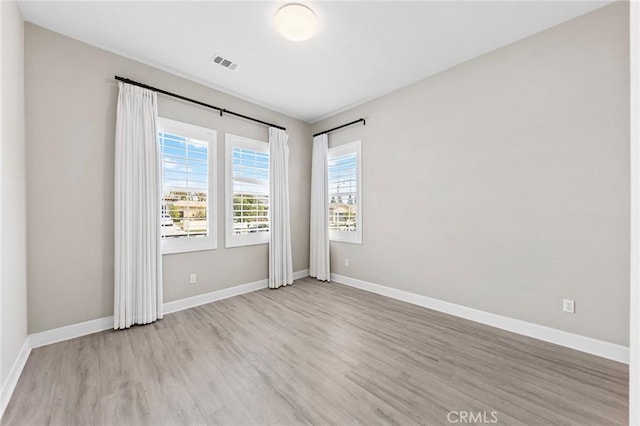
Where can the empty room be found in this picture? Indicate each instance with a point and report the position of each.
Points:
(319, 213)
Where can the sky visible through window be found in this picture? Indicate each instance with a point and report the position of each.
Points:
(184, 162)
(250, 191)
(250, 171)
(185, 169)
(343, 193)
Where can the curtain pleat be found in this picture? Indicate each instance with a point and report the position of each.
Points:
(319, 261)
(138, 254)
(280, 263)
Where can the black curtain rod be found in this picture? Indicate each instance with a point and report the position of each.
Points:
(364, 123)
(184, 98)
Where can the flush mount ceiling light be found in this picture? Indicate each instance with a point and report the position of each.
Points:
(296, 22)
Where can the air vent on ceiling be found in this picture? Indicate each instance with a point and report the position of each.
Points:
(224, 62)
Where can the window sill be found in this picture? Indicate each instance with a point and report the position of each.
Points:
(180, 250)
(332, 240)
(345, 237)
(244, 244)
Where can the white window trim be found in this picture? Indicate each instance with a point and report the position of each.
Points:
(336, 151)
(210, 242)
(231, 239)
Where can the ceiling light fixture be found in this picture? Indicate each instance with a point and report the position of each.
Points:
(296, 22)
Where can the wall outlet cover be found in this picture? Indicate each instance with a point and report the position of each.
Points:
(569, 306)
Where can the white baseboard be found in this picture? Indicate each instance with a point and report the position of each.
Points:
(202, 299)
(94, 326)
(10, 383)
(300, 274)
(563, 338)
(72, 331)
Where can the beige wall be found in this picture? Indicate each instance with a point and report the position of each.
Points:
(71, 105)
(503, 184)
(13, 290)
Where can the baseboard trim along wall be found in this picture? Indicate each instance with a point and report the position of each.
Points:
(14, 374)
(94, 326)
(563, 338)
(72, 331)
(201, 299)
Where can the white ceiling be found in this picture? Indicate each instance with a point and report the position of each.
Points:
(362, 49)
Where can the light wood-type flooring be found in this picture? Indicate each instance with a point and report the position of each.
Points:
(314, 353)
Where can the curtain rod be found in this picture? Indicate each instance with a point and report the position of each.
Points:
(184, 98)
(364, 123)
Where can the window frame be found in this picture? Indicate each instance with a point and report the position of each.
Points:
(210, 242)
(233, 240)
(336, 151)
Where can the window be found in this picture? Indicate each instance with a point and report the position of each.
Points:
(247, 191)
(188, 186)
(345, 195)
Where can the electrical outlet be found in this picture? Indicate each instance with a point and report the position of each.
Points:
(569, 306)
(346, 262)
(192, 279)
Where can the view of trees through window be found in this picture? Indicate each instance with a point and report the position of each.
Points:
(185, 168)
(343, 193)
(185, 195)
(250, 191)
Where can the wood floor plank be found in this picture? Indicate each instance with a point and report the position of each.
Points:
(314, 353)
(123, 397)
(79, 396)
(170, 402)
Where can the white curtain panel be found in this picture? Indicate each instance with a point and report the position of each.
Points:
(138, 255)
(319, 265)
(280, 264)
